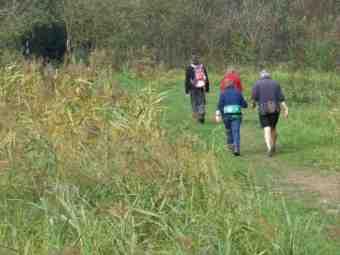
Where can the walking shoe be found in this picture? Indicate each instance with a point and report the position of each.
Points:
(237, 153)
(270, 153)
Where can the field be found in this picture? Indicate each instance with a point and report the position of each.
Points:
(101, 162)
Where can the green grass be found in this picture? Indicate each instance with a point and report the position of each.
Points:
(113, 164)
(309, 139)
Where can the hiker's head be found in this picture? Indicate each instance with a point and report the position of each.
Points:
(195, 58)
(264, 74)
(228, 82)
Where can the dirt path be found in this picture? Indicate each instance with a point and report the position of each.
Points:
(326, 188)
(316, 187)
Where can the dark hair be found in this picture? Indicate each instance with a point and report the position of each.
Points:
(194, 52)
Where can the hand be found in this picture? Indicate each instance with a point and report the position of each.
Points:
(285, 108)
(218, 118)
(285, 114)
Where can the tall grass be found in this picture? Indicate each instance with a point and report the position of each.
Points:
(91, 170)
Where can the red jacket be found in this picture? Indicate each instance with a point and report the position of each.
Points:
(235, 77)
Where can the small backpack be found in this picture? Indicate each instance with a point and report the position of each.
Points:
(269, 107)
(200, 77)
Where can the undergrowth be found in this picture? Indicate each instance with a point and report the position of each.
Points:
(87, 168)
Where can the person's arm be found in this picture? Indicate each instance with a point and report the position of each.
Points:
(283, 104)
(285, 109)
(207, 84)
(187, 84)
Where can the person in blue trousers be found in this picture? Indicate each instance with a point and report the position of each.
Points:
(229, 109)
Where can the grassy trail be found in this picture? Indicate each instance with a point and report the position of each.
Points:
(289, 172)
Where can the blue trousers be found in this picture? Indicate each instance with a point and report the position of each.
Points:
(233, 127)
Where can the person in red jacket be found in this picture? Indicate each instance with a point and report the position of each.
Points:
(234, 76)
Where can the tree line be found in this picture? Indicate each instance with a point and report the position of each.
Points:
(239, 31)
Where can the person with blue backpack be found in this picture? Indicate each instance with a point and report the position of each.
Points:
(229, 109)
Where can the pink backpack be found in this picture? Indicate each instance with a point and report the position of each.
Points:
(200, 77)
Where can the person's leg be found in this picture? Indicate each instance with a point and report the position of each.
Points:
(266, 125)
(229, 136)
(268, 139)
(274, 121)
(230, 140)
(201, 106)
(201, 117)
(273, 138)
(236, 125)
(194, 103)
(198, 104)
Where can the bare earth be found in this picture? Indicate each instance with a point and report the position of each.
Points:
(327, 187)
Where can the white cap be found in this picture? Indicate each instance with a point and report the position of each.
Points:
(264, 74)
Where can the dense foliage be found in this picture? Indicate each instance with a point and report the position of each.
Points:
(243, 31)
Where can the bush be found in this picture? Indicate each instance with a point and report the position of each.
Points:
(320, 55)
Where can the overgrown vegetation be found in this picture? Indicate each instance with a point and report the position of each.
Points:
(88, 168)
(305, 32)
(96, 161)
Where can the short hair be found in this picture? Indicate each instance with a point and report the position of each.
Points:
(264, 74)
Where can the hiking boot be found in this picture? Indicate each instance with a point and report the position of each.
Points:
(237, 153)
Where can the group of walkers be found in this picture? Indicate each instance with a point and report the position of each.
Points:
(266, 95)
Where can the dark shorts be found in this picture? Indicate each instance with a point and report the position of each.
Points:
(269, 120)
